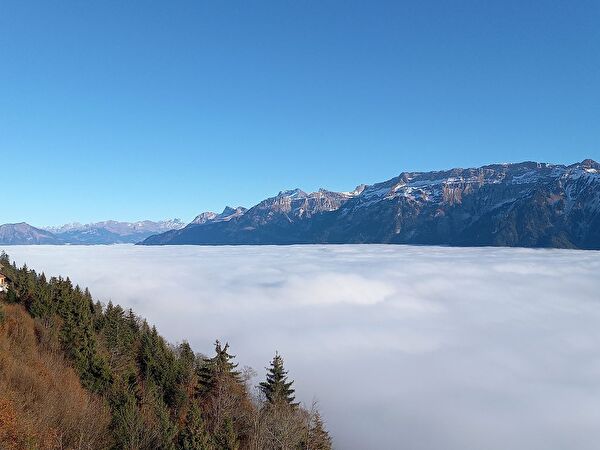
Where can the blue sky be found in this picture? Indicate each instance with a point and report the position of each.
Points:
(134, 110)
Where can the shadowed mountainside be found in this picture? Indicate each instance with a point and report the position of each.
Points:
(527, 204)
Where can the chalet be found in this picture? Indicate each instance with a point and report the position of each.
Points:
(3, 282)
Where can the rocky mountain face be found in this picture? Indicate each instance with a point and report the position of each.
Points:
(227, 214)
(526, 204)
(25, 234)
(271, 217)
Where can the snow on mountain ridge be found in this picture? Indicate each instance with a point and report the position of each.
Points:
(119, 228)
(210, 216)
(432, 186)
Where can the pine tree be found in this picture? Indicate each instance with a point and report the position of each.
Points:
(167, 430)
(277, 388)
(127, 422)
(118, 336)
(218, 367)
(157, 363)
(40, 305)
(223, 395)
(194, 436)
(185, 374)
(4, 259)
(11, 296)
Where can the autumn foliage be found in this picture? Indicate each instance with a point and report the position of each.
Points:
(42, 402)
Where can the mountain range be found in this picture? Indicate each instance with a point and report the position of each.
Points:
(108, 232)
(24, 234)
(525, 204)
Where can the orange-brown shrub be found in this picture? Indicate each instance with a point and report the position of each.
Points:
(42, 403)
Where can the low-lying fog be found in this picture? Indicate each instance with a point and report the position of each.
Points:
(404, 347)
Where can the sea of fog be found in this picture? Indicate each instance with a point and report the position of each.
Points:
(404, 347)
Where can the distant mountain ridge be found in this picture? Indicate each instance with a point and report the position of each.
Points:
(525, 204)
(120, 228)
(108, 232)
(24, 234)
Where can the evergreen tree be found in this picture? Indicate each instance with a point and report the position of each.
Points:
(224, 397)
(226, 437)
(185, 375)
(11, 296)
(277, 388)
(40, 305)
(218, 367)
(157, 363)
(186, 357)
(167, 430)
(194, 436)
(127, 423)
(4, 259)
(119, 337)
(79, 341)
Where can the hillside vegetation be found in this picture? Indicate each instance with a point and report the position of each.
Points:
(76, 374)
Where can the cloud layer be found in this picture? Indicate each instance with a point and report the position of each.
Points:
(404, 347)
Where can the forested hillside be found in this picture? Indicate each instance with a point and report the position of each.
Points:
(76, 374)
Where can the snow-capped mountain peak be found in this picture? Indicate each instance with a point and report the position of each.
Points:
(525, 204)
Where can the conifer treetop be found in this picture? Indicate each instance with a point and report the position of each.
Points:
(277, 388)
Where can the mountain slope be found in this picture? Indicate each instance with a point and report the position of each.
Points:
(227, 214)
(268, 222)
(24, 234)
(42, 401)
(525, 204)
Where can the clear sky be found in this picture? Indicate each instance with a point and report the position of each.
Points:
(137, 109)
